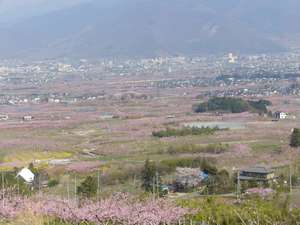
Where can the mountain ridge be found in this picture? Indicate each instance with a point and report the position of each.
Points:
(147, 28)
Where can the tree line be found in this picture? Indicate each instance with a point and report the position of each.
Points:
(169, 132)
(232, 105)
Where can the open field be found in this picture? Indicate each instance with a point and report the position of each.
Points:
(113, 135)
(130, 138)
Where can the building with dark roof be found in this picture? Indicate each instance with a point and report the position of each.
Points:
(257, 173)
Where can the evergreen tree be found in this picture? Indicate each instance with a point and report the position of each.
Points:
(33, 169)
(295, 138)
(88, 188)
(150, 177)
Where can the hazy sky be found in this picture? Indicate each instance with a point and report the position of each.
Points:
(7, 5)
(15, 9)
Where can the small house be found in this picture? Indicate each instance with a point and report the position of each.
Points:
(280, 115)
(107, 116)
(171, 117)
(189, 178)
(257, 173)
(27, 118)
(26, 175)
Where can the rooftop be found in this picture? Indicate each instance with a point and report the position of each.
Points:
(257, 169)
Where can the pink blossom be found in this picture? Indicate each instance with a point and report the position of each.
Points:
(262, 192)
(120, 209)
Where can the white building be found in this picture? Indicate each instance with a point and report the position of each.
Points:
(280, 115)
(107, 116)
(232, 58)
(27, 118)
(3, 117)
(26, 175)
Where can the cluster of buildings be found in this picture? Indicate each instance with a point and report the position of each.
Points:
(229, 74)
(252, 181)
(4, 117)
(202, 66)
(52, 98)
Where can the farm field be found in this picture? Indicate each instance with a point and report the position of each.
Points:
(77, 138)
(149, 112)
(109, 141)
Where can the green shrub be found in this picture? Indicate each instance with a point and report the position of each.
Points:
(185, 132)
(194, 149)
(256, 211)
(295, 138)
(14, 183)
(88, 188)
(120, 175)
(170, 165)
(53, 183)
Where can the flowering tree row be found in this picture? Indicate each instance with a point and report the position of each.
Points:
(115, 210)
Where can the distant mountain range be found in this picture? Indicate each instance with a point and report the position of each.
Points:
(146, 28)
(16, 10)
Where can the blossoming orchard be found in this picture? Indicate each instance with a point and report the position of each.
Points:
(119, 209)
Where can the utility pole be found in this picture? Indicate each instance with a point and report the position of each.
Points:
(134, 180)
(157, 91)
(68, 187)
(75, 188)
(18, 186)
(290, 180)
(238, 186)
(2, 175)
(98, 186)
(153, 187)
(157, 185)
(290, 176)
(39, 180)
